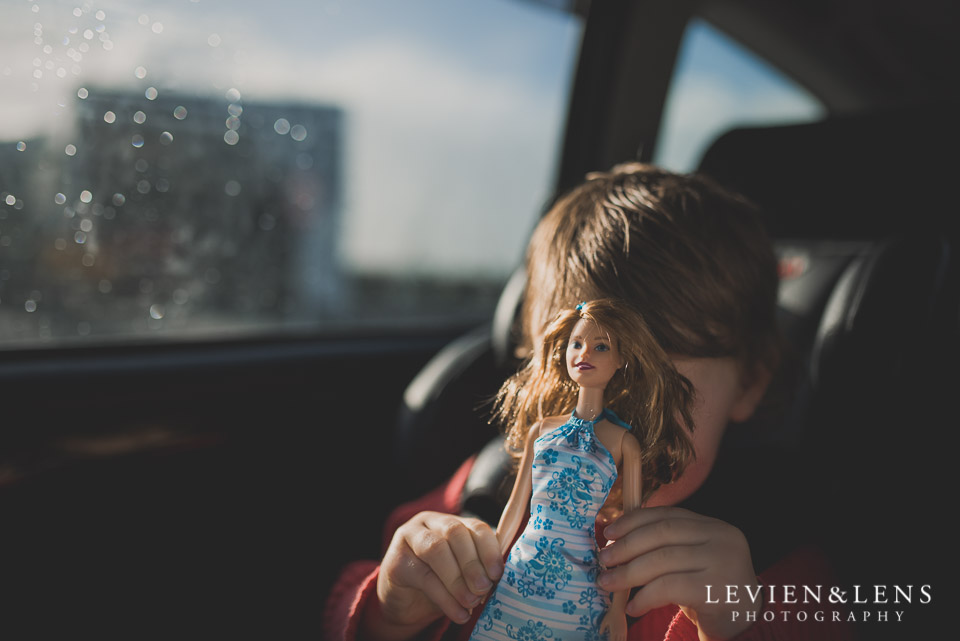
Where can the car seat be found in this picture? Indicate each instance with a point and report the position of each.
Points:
(867, 303)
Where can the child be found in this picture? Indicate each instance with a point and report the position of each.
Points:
(695, 261)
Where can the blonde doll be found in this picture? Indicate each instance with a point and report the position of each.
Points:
(601, 361)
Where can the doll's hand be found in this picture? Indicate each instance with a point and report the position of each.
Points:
(614, 625)
(436, 564)
(674, 554)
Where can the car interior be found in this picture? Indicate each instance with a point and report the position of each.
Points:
(214, 487)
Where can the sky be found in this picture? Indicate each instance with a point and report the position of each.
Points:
(454, 108)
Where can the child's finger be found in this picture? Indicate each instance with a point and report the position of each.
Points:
(436, 591)
(431, 547)
(664, 590)
(646, 568)
(633, 519)
(462, 544)
(488, 547)
(658, 534)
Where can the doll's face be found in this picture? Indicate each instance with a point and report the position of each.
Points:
(592, 355)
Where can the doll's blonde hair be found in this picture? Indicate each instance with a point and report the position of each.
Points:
(648, 393)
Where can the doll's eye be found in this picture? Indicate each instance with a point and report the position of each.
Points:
(574, 344)
(602, 348)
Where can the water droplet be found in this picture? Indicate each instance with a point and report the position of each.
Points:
(139, 117)
(231, 137)
(143, 186)
(141, 165)
(180, 113)
(233, 94)
(30, 305)
(166, 138)
(232, 188)
(80, 238)
(100, 15)
(233, 122)
(77, 12)
(282, 126)
(137, 141)
(140, 72)
(144, 19)
(47, 49)
(298, 132)
(151, 93)
(163, 185)
(108, 45)
(88, 34)
(109, 117)
(213, 40)
(10, 199)
(37, 74)
(35, 8)
(156, 311)
(119, 199)
(70, 150)
(21, 146)
(234, 109)
(157, 27)
(86, 224)
(86, 196)
(61, 72)
(59, 198)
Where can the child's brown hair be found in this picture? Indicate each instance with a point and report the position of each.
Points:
(692, 257)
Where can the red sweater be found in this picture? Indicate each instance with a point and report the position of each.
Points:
(805, 566)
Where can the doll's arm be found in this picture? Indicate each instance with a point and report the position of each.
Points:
(615, 619)
(520, 495)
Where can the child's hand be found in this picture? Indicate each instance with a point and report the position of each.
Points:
(614, 626)
(436, 563)
(674, 554)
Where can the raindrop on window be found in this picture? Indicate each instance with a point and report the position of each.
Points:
(234, 109)
(139, 117)
(232, 188)
(231, 137)
(151, 93)
(157, 27)
(163, 185)
(156, 312)
(100, 15)
(37, 74)
(298, 132)
(70, 150)
(233, 122)
(30, 305)
(86, 196)
(180, 113)
(21, 146)
(282, 126)
(59, 198)
(166, 138)
(144, 19)
(109, 117)
(107, 45)
(141, 165)
(137, 141)
(213, 40)
(80, 238)
(35, 9)
(61, 72)
(77, 12)
(10, 199)
(86, 224)
(88, 34)
(119, 199)
(143, 186)
(47, 49)
(140, 72)
(233, 94)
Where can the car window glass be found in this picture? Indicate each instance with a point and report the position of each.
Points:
(205, 167)
(717, 85)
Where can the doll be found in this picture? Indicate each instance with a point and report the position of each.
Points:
(595, 358)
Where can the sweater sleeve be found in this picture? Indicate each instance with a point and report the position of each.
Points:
(785, 621)
(356, 586)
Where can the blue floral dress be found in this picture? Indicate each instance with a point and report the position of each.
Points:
(548, 591)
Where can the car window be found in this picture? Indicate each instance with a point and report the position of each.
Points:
(718, 84)
(204, 167)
